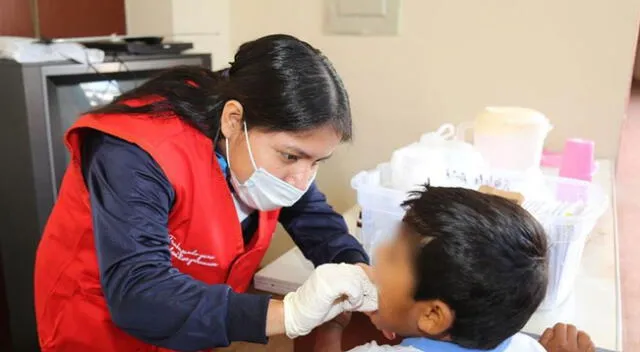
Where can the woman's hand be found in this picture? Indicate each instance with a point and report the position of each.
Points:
(338, 323)
(329, 335)
(566, 338)
(330, 290)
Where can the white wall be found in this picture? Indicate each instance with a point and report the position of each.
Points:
(571, 59)
(149, 17)
(205, 23)
(636, 67)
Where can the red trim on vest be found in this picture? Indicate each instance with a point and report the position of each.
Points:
(206, 238)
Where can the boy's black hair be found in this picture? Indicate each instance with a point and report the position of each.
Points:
(482, 255)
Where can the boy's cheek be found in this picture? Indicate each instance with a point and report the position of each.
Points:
(379, 322)
(393, 311)
(375, 320)
(387, 325)
(383, 318)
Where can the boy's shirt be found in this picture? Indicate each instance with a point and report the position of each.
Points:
(517, 343)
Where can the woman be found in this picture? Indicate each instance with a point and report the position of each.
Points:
(173, 194)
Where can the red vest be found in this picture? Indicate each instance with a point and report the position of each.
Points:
(205, 234)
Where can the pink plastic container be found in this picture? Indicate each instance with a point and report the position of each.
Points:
(578, 159)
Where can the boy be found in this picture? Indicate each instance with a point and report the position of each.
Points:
(465, 273)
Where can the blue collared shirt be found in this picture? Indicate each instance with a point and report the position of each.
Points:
(517, 343)
(425, 344)
(147, 297)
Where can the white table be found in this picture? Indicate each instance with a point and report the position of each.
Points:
(594, 306)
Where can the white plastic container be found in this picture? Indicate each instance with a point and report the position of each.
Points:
(381, 207)
(416, 164)
(430, 159)
(509, 138)
(567, 209)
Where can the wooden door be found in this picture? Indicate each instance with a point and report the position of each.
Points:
(15, 18)
(80, 18)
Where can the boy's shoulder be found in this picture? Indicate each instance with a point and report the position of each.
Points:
(517, 343)
(374, 347)
(523, 342)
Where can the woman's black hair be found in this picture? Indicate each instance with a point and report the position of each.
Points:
(283, 84)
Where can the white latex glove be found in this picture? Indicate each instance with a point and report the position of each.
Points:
(330, 290)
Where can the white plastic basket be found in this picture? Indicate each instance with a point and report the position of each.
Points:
(567, 209)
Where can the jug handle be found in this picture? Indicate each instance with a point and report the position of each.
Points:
(446, 131)
(461, 130)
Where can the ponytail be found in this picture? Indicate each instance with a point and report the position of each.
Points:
(194, 94)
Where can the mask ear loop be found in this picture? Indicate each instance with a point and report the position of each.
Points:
(246, 138)
(226, 148)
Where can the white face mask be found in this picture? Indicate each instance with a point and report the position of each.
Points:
(263, 191)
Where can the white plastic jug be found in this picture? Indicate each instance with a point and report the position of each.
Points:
(423, 162)
(509, 138)
(414, 165)
(432, 160)
(459, 155)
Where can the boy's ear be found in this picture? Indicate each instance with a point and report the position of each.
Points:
(435, 318)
